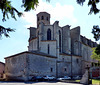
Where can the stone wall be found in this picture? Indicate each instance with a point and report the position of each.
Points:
(16, 67)
(86, 57)
(43, 17)
(65, 62)
(41, 65)
(63, 69)
(33, 45)
(32, 33)
(64, 65)
(88, 42)
(75, 41)
(66, 40)
(51, 48)
(76, 65)
(25, 65)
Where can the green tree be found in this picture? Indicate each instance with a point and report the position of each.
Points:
(95, 55)
(7, 9)
(97, 50)
(94, 9)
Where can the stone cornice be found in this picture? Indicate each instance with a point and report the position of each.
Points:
(28, 52)
(48, 40)
(32, 39)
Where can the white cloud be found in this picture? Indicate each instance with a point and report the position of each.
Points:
(30, 18)
(58, 12)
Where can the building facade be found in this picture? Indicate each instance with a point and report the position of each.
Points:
(52, 50)
(2, 69)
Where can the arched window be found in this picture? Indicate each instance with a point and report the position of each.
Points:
(42, 18)
(59, 41)
(48, 34)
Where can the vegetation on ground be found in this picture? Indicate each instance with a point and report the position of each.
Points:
(94, 81)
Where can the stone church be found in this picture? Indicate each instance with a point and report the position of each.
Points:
(53, 50)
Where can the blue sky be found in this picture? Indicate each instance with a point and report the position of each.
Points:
(68, 12)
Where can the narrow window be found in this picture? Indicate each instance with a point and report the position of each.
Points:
(65, 69)
(42, 18)
(38, 19)
(48, 49)
(38, 41)
(63, 59)
(47, 18)
(48, 34)
(51, 69)
(59, 41)
(77, 60)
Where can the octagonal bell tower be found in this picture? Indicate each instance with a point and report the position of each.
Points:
(43, 17)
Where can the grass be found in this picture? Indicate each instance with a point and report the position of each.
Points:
(77, 80)
(94, 81)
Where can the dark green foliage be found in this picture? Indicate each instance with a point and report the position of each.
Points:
(7, 8)
(91, 3)
(29, 4)
(97, 50)
(5, 31)
(93, 8)
(96, 32)
(80, 2)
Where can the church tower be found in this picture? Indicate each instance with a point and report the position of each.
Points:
(43, 17)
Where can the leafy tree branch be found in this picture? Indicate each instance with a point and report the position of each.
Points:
(5, 31)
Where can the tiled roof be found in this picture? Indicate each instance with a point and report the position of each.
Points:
(2, 63)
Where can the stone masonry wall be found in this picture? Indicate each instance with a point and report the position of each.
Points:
(52, 47)
(76, 65)
(41, 65)
(64, 66)
(15, 67)
(75, 39)
(66, 41)
(33, 45)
